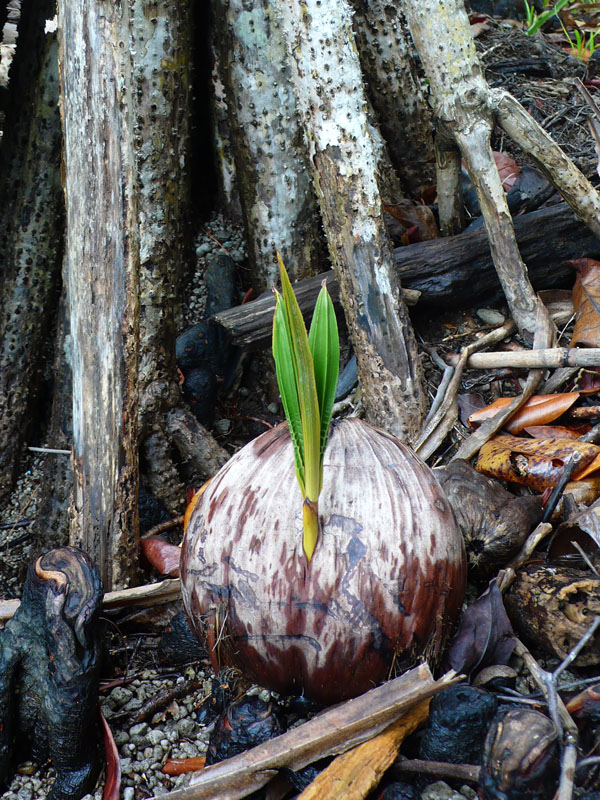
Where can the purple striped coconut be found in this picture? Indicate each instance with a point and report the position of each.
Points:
(383, 587)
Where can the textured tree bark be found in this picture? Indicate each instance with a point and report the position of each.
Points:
(393, 88)
(162, 81)
(328, 83)
(273, 174)
(102, 278)
(461, 102)
(52, 524)
(31, 219)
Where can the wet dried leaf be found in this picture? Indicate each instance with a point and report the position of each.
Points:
(484, 636)
(538, 410)
(468, 404)
(112, 783)
(164, 557)
(508, 169)
(537, 463)
(182, 766)
(582, 527)
(586, 301)
(552, 432)
(413, 215)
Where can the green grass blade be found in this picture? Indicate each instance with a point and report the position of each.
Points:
(307, 392)
(324, 344)
(288, 385)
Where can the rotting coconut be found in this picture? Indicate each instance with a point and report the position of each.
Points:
(383, 587)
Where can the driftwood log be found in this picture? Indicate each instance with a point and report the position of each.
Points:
(49, 673)
(450, 271)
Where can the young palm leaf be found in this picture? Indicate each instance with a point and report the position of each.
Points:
(324, 345)
(307, 381)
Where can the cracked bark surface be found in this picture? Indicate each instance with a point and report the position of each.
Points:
(30, 225)
(271, 164)
(125, 261)
(327, 79)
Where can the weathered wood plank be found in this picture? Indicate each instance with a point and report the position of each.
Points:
(455, 270)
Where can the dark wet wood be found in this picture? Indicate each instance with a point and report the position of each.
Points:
(455, 270)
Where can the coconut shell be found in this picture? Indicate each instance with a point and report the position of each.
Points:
(383, 587)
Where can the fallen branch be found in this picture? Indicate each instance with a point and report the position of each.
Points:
(456, 270)
(151, 594)
(551, 358)
(441, 769)
(565, 725)
(544, 335)
(438, 426)
(353, 774)
(330, 733)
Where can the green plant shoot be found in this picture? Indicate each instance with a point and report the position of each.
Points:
(307, 372)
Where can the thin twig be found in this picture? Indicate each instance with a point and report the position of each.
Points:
(50, 450)
(571, 464)
(508, 574)
(439, 425)
(175, 522)
(442, 769)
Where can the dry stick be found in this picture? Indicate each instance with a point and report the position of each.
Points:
(548, 685)
(448, 372)
(558, 379)
(168, 525)
(592, 436)
(551, 358)
(441, 769)
(353, 774)
(507, 575)
(437, 428)
(151, 594)
(543, 335)
(552, 161)
(332, 732)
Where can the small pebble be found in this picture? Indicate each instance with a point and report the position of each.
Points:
(490, 316)
(139, 729)
(440, 791)
(272, 408)
(128, 793)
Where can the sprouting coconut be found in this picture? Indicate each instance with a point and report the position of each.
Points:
(326, 584)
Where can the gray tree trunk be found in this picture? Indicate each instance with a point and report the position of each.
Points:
(31, 219)
(272, 170)
(102, 279)
(328, 82)
(126, 122)
(393, 88)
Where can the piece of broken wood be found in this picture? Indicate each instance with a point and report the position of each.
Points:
(148, 595)
(353, 774)
(449, 271)
(332, 732)
(549, 358)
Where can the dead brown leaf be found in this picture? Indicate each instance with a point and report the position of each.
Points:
(586, 302)
(537, 463)
(415, 215)
(552, 432)
(538, 410)
(508, 169)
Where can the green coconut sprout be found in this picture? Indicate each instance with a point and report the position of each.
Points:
(307, 372)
